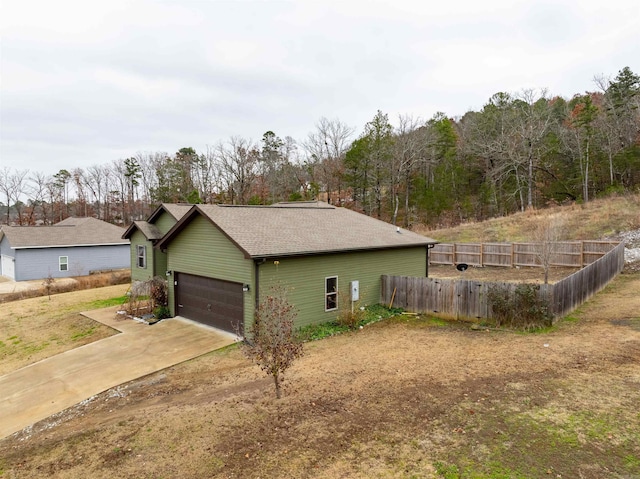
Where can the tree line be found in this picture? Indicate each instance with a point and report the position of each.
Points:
(521, 150)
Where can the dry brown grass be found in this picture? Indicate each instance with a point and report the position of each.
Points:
(598, 219)
(36, 328)
(66, 285)
(409, 397)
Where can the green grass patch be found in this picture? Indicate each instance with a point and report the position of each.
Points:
(83, 333)
(106, 303)
(556, 439)
(433, 321)
(491, 470)
(632, 462)
(226, 349)
(424, 320)
(374, 313)
(34, 348)
(571, 318)
(447, 471)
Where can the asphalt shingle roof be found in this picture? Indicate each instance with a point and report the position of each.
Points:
(69, 232)
(177, 210)
(149, 229)
(290, 229)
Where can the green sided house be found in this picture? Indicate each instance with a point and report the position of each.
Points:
(147, 262)
(222, 259)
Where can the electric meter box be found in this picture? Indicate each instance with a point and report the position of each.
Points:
(355, 290)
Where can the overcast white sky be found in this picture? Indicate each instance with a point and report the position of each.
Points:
(90, 81)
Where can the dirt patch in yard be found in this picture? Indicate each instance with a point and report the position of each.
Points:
(494, 274)
(407, 397)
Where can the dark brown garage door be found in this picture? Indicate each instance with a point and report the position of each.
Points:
(210, 301)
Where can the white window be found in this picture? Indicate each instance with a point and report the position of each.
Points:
(142, 256)
(331, 293)
(63, 263)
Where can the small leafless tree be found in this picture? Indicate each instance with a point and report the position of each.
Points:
(547, 235)
(271, 342)
(47, 283)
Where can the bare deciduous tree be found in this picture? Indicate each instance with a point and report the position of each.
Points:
(12, 184)
(37, 191)
(238, 161)
(532, 124)
(409, 152)
(325, 148)
(547, 235)
(271, 342)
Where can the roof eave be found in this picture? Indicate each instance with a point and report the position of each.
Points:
(153, 216)
(130, 230)
(337, 251)
(69, 245)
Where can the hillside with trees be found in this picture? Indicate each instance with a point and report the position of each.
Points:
(521, 150)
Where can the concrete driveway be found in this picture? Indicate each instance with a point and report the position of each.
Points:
(39, 390)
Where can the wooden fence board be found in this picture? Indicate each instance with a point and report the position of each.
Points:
(574, 254)
(460, 298)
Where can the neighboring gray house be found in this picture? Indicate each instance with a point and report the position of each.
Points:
(73, 247)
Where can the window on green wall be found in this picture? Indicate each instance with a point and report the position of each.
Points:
(331, 293)
(142, 256)
(63, 263)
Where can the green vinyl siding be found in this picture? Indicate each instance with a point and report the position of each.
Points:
(159, 262)
(141, 274)
(304, 278)
(164, 222)
(201, 249)
(156, 259)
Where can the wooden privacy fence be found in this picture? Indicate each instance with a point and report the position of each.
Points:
(575, 254)
(460, 298)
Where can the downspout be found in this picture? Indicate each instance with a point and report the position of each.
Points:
(429, 246)
(256, 273)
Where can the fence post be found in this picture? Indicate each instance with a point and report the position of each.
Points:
(513, 254)
(384, 280)
(481, 255)
(454, 254)
(582, 254)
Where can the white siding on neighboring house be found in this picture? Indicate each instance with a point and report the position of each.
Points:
(6, 259)
(6, 266)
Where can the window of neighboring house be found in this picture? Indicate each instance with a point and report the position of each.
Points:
(63, 263)
(331, 293)
(142, 256)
